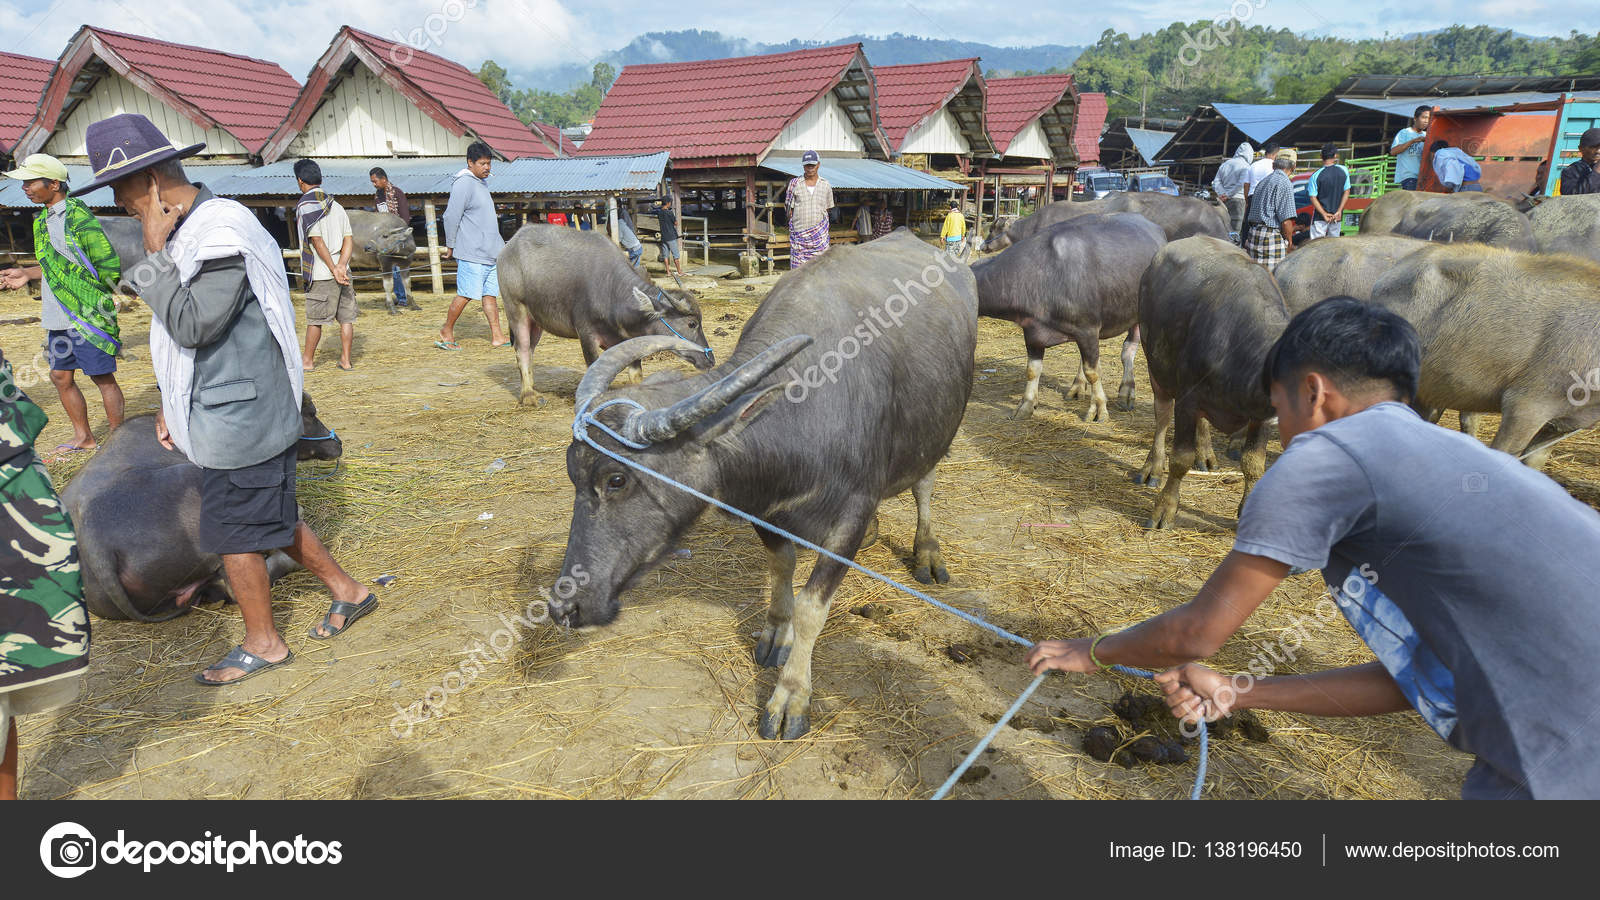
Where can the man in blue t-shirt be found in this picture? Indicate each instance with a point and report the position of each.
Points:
(1455, 170)
(1407, 148)
(1468, 574)
(1330, 190)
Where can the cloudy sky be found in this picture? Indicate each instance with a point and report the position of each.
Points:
(529, 34)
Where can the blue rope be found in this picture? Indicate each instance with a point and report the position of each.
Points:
(583, 418)
(710, 357)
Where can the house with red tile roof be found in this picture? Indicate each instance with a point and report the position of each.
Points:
(230, 102)
(935, 111)
(369, 97)
(1034, 118)
(22, 81)
(1091, 121)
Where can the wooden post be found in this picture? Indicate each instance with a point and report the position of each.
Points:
(611, 214)
(982, 177)
(434, 267)
(1049, 186)
(749, 207)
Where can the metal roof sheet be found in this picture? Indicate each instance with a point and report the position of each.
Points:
(432, 176)
(1405, 106)
(1149, 142)
(11, 194)
(713, 108)
(22, 80)
(1260, 121)
(850, 173)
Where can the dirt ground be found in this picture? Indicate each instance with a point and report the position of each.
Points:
(462, 496)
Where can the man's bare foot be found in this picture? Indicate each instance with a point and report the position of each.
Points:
(273, 650)
(346, 364)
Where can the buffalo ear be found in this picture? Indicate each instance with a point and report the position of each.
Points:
(646, 305)
(738, 415)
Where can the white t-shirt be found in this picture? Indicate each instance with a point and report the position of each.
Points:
(333, 229)
(1259, 169)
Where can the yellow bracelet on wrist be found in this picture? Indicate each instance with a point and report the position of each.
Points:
(1095, 643)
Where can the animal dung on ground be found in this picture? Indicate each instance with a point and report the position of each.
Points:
(874, 612)
(1243, 723)
(963, 653)
(1101, 743)
(1141, 709)
(973, 775)
(1157, 750)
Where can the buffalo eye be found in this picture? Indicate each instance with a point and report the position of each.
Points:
(694, 323)
(616, 481)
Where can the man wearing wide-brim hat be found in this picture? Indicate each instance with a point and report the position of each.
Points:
(226, 355)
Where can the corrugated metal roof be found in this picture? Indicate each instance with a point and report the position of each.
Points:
(1384, 86)
(22, 80)
(1405, 106)
(712, 108)
(1149, 142)
(850, 173)
(11, 190)
(246, 97)
(1260, 121)
(910, 93)
(1090, 121)
(433, 176)
(1016, 102)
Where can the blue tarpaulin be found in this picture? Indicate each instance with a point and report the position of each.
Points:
(1260, 121)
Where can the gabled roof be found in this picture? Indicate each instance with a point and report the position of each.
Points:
(244, 97)
(910, 95)
(1091, 120)
(1014, 103)
(554, 139)
(22, 81)
(445, 91)
(729, 111)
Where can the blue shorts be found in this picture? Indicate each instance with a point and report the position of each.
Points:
(476, 280)
(68, 351)
(1410, 184)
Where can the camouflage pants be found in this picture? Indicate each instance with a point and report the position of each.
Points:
(44, 627)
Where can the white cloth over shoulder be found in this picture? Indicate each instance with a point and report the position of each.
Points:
(217, 229)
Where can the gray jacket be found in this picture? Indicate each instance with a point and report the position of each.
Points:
(471, 228)
(244, 410)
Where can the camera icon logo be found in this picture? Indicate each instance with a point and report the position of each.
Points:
(1475, 483)
(68, 850)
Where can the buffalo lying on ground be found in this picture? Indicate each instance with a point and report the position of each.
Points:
(1208, 315)
(136, 508)
(1466, 217)
(1179, 217)
(577, 284)
(1077, 281)
(1507, 332)
(879, 342)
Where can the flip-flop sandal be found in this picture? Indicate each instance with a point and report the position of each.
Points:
(350, 611)
(347, 368)
(240, 658)
(74, 448)
(447, 345)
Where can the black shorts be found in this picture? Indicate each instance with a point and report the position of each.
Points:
(251, 509)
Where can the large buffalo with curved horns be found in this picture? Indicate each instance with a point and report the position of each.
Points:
(577, 284)
(846, 388)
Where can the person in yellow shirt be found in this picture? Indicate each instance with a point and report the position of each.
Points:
(955, 228)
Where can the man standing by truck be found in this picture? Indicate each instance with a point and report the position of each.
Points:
(1582, 177)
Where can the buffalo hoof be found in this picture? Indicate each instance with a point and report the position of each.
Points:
(1125, 404)
(931, 574)
(1162, 518)
(778, 727)
(1147, 476)
(533, 399)
(769, 654)
(1023, 411)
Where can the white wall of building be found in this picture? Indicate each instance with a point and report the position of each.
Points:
(824, 126)
(940, 134)
(112, 95)
(1030, 142)
(366, 117)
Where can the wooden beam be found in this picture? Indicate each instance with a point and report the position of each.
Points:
(434, 266)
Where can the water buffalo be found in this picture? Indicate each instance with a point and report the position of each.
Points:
(577, 284)
(382, 241)
(127, 238)
(1507, 332)
(1076, 281)
(1179, 217)
(1347, 266)
(882, 337)
(1470, 216)
(1568, 225)
(1208, 315)
(136, 508)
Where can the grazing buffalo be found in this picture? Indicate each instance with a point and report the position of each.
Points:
(136, 509)
(1568, 225)
(1076, 281)
(1468, 217)
(1179, 217)
(1347, 266)
(382, 241)
(879, 340)
(577, 284)
(1507, 332)
(1208, 315)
